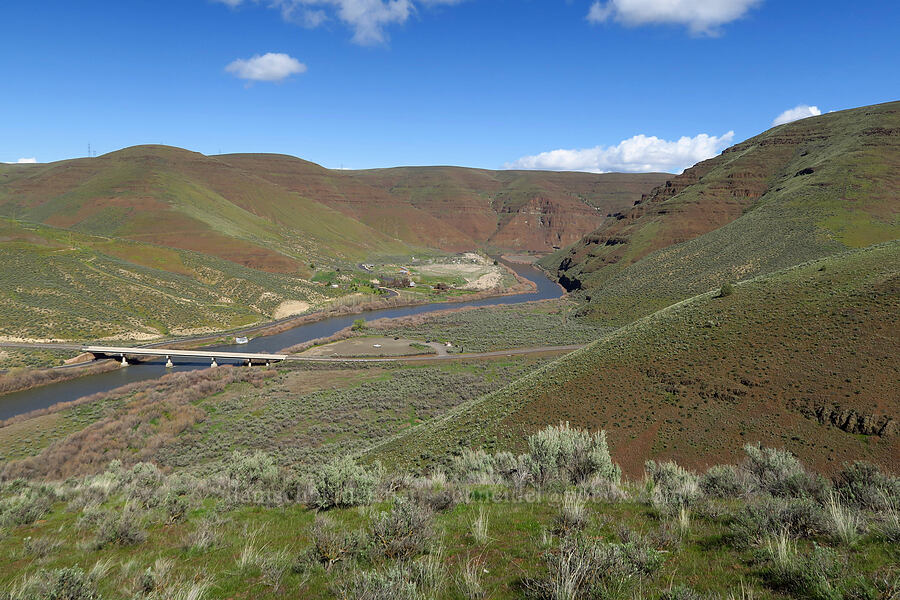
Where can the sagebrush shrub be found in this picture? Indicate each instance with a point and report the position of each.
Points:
(800, 517)
(40, 547)
(342, 482)
(394, 583)
(331, 544)
(143, 481)
(255, 477)
(404, 531)
(672, 486)
(601, 489)
(506, 464)
(780, 473)
(811, 575)
(58, 584)
(436, 499)
(721, 481)
(680, 592)
(863, 485)
(120, 528)
(205, 536)
(474, 467)
(572, 515)
(176, 507)
(582, 568)
(770, 466)
(570, 455)
(27, 506)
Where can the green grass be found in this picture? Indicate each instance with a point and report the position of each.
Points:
(711, 557)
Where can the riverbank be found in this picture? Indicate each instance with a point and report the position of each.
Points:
(226, 337)
(531, 284)
(522, 286)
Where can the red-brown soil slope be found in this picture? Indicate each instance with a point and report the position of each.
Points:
(796, 192)
(804, 359)
(457, 208)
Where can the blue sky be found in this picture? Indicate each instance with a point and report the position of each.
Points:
(485, 83)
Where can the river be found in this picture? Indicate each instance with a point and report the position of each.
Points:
(41, 397)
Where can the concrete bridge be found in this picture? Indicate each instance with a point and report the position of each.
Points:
(124, 352)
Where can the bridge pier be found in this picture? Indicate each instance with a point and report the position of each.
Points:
(214, 363)
(124, 361)
(169, 364)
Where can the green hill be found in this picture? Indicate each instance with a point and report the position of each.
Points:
(176, 241)
(180, 199)
(804, 359)
(797, 192)
(60, 284)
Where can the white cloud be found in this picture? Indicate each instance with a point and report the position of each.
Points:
(801, 111)
(23, 161)
(638, 154)
(367, 18)
(271, 66)
(701, 17)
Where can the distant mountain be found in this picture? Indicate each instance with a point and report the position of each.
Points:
(797, 192)
(180, 199)
(276, 213)
(182, 242)
(457, 208)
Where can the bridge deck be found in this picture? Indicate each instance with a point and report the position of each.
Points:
(117, 351)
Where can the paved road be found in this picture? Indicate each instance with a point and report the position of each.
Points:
(32, 346)
(444, 356)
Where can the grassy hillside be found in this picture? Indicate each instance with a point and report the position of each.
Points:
(180, 199)
(277, 213)
(59, 284)
(153, 240)
(137, 493)
(539, 526)
(796, 192)
(804, 359)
